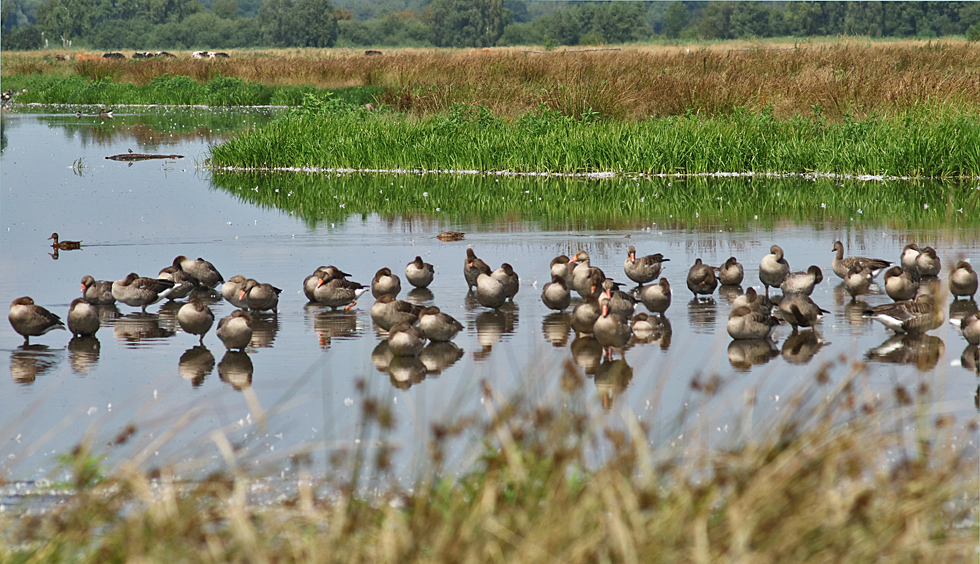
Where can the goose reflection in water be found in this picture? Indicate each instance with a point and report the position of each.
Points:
(556, 327)
(27, 362)
(970, 359)
(492, 325)
(137, 329)
(405, 371)
(420, 296)
(195, 364)
(960, 309)
(586, 353)
(746, 353)
(649, 329)
(83, 353)
(328, 324)
(381, 356)
(702, 314)
(923, 351)
(612, 377)
(236, 369)
(439, 356)
(801, 347)
(108, 314)
(729, 293)
(265, 327)
(853, 314)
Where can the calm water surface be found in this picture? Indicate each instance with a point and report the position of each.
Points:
(305, 363)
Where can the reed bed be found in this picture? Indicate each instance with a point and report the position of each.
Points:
(839, 475)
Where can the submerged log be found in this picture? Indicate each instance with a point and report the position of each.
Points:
(141, 157)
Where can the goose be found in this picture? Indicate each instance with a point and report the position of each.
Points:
(581, 273)
(909, 255)
(585, 315)
(773, 268)
(437, 326)
(800, 311)
(327, 273)
(232, 288)
(338, 292)
(752, 300)
(136, 291)
(731, 273)
(419, 273)
(858, 281)
(205, 272)
(901, 284)
(489, 291)
(970, 326)
(906, 316)
(701, 279)
(83, 318)
(64, 245)
(259, 296)
(405, 340)
(802, 282)
(235, 330)
(97, 292)
(620, 303)
(611, 330)
(384, 282)
(388, 311)
(644, 269)
(32, 320)
(963, 281)
(196, 318)
(184, 283)
(928, 262)
(656, 297)
(508, 278)
(473, 267)
(747, 323)
(841, 265)
(555, 294)
(562, 267)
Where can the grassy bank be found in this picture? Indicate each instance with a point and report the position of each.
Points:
(833, 479)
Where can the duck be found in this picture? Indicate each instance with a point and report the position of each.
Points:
(928, 262)
(196, 318)
(259, 296)
(773, 268)
(644, 269)
(963, 281)
(405, 340)
(506, 276)
(83, 318)
(620, 303)
(701, 279)
(857, 281)
(581, 273)
(327, 273)
(562, 267)
(338, 292)
(205, 272)
(473, 267)
(137, 291)
(489, 291)
(235, 330)
(656, 297)
(384, 282)
(752, 300)
(388, 311)
(800, 311)
(906, 316)
(97, 292)
(555, 294)
(802, 282)
(450, 236)
(731, 273)
(585, 315)
(32, 320)
(909, 255)
(232, 288)
(901, 284)
(419, 273)
(611, 330)
(841, 265)
(747, 323)
(64, 245)
(438, 326)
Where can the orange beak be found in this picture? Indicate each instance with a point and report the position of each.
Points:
(241, 295)
(83, 288)
(320, 283)
(632, 257)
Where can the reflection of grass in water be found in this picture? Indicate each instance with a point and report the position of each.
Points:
(582, 203)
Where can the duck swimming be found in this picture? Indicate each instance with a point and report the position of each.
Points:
(64, 245)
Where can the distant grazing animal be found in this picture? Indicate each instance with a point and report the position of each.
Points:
(166, 54)
(373, 53)
(113, 55)
(201, 54)
(219, 55)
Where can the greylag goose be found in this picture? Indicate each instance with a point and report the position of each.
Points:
(327, 273)
(235, 330)
(97, 292)
(32, 320)
(232, 289)
(83, 318)
(857, 281)
(205, 272)
(963, 281)
(490, 292)
(196, 318)
(773, 268)
(644, 269)
(800, 311)
(405, 340)
(338, 293)
(419, 273)
(555, 294)
(841, 265)
(802, 282)
(620, 303)
(928, 262)
(747, 323)
(384, 282)
(752, 300)
(184, 283)
(656, 297)
(64, 245)
(508, 278)
(581, 273)
(701, 279)
(906, 316)
(388, 311)
(909, 255)
(437, 326)
(472, 268)
(611, 330)
(970, 326)
(259, 296)
(136, 291)
(731, 273)
(901, 284)
(585, 314)
(562, 267)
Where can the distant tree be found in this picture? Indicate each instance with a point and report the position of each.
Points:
(226, 9)
(466, 23)
(675, 19)
(715, 20)
(24, 38)
(618, 22)
(749, 19)
(863, 18)
(318, 26)
(277, 23)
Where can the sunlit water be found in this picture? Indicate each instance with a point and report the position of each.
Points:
(303, 369)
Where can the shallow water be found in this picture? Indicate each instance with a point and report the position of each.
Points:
(303, 369)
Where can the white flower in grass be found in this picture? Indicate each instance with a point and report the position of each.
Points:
(859, 211)
(425, 194)
(823, 205)
(925, 206)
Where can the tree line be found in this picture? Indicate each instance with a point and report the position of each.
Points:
(227, 24)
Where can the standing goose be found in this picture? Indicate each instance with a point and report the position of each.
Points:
(585, 315)
(326, 273)
(746, 323)
(773, 268)
(909, 255)
(906, 316)
(752, 300)
(581, 273)
(644, 269)
(611, 330)
(857, 281)
(184, 283)
(928, 262)
(389, 311)
(232, 289)
(97, 292)
(562, 267)
(620, 303)
(901, 284)
(970, 326)
(419, 273)
(259, 296)
(656, 297)
(800, 311)
(136, 291)
(508, 278)
(472, 268)
(338, 292)
(437, 326)
(555, 294)
(196, 318)
(701, 279)
(83, 318)
(963, 281)
(405, 340)
(490, 292)
(384, 282)
(802, 282)
(731, 273)
(235, 330)
(205, 272)
(842, 265)
(32, 320)
(64, 245)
